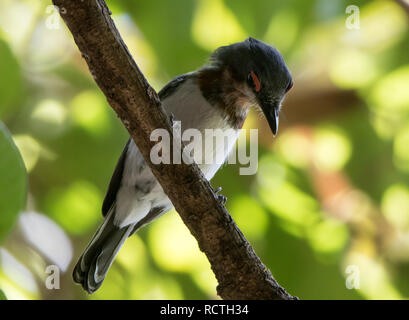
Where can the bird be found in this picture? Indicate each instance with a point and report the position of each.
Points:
(219, 95)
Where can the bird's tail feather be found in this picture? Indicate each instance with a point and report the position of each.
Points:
(93, 265)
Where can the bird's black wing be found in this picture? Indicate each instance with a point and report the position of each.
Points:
(115, 182)
(171, 86)
(116, 179)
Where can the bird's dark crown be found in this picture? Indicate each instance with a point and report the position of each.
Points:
(264, 60)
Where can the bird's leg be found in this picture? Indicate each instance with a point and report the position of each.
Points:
(172, 119)
(220, 197)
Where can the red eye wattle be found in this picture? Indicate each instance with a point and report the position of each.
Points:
(256, 81)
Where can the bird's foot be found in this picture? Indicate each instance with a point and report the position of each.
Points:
(172, 119)
(220, 197)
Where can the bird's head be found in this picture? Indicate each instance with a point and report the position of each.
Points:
(262, 69)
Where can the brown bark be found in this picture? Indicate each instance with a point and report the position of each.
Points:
(240, 273)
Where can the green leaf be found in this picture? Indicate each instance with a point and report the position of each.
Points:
(2, 295)
(10, 81)
(13, 182)
(176, 51)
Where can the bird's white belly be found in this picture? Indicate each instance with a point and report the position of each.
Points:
(194, 112)
(140, 191)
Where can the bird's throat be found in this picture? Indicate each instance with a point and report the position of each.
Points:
(222, 90)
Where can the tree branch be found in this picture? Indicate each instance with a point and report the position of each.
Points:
(240, 273)
(404, 4)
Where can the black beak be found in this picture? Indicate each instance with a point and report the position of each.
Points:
(271, 113)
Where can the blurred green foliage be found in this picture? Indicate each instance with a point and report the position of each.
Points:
(13, 183)
(331, 193)
(10, 85)
(2, 295)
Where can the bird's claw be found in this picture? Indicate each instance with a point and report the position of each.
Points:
(172, 118)
(220, 197)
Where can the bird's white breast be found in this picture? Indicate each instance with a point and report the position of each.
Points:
(140, 190)
(189, 107)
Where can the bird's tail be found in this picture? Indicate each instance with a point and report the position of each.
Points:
(93, 265)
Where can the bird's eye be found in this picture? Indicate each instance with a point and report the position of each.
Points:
(254, 81)
(289, 86)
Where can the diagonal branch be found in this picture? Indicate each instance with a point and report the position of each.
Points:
(240, 273)
(404, 4)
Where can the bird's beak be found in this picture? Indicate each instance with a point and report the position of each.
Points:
(271, 113)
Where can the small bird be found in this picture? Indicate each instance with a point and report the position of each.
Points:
(217, 96)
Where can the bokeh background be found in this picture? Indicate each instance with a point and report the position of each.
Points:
(330, 200)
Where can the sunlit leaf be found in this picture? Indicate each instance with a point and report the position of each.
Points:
(389, 100)
(351, 68)
(214, 25)
(295, 146)
(16, 276)
(172, 245)
(89, 110)
(332, 148)
(113, 287)
(13, 182)
(176, 52)
(291, 204)
(328, 236)
(49, 117)
(140, 49)
(77, 207)
(30, 150)
(390, 93)
(401, 150)
(282, 20)
(206, 280)
(251, 218)
(257, 16)
(395, 206)
(10, 81)
(2, 295)
(297, 209)
(133, 254)
(383, 23)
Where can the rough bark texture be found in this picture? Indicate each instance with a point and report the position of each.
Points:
(240, 273)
